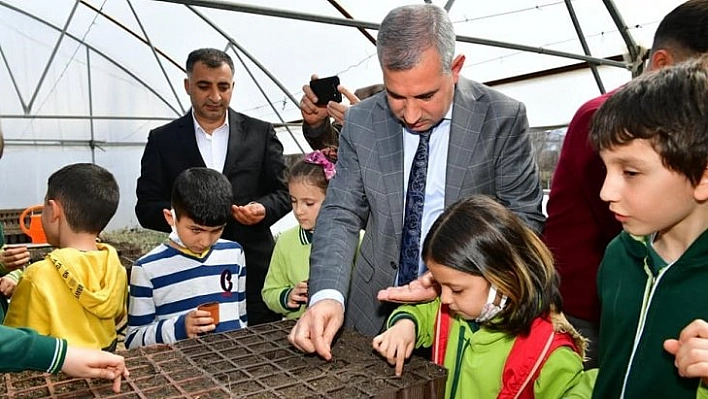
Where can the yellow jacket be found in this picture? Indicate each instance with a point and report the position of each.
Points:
(71, 294)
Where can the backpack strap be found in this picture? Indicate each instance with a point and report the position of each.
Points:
(527, 356)
(442, 332)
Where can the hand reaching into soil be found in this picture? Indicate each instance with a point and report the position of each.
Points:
(423, 289)
(93, 363)
(298, 295)
(197, 322)
(316, 328)
(397, 343)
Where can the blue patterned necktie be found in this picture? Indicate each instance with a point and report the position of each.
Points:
(412, 221)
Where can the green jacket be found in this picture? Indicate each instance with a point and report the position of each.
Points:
(475, 360)
(24, 349)
(642, 308)
(289, 264)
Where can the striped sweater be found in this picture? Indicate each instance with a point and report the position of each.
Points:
(166, 284)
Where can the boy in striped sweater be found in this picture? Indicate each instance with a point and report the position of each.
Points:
(193, 267)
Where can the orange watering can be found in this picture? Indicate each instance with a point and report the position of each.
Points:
(35, 230)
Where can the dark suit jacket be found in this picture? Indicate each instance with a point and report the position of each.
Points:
(489, 153)
(254, 166)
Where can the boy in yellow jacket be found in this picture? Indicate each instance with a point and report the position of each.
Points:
(79, 291)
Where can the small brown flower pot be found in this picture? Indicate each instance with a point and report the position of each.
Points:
(213, 308)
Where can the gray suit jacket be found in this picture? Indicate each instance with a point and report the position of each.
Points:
(489, 153)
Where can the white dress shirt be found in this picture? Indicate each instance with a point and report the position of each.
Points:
(213, 146)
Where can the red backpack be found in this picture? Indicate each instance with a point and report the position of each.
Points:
(525, 360)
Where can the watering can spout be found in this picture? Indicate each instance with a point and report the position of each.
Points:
(35, 230)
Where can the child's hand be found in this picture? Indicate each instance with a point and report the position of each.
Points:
(298, 295)
(93, 363)
(7, 286)
(691, 350)
(396, 344)
(14, 257)
(197, 322)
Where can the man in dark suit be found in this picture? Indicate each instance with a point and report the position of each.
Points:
(478, 145)
(244, 149)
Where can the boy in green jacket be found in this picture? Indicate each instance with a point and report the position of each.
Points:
(652, 136)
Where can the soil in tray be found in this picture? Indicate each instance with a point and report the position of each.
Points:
(165, 356)
(31, 382)
(244, 387)
(296, 391)
(161, 392)
(262, 395)
(231, 376)
(367, 382)
(278, 354)
(105, 388)
(326, 384)
(277, 380)
(72, 386)
(39, 392)
(235, 352)
(149, 382)
(212, 394)
(307, 372)
(261, 370)
(76, 395)
(198, 384)
(289, 363)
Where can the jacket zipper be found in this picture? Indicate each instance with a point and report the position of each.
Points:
(649, 290)
(462, 345)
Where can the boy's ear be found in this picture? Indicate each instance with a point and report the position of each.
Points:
(700, 192)
(660, 58)
(168, 217)
(56, 210)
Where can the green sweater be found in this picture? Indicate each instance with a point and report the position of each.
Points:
(475, 360)
(23, 349)
(640, 309)
(289, 265)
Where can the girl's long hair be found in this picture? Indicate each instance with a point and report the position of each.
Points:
(479, 236)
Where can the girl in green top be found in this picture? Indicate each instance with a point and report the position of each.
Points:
(496, 325)
(285, 287)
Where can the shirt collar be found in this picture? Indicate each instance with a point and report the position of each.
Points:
(305, 236)
(198, 127)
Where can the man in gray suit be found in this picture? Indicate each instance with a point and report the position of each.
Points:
(478, 145)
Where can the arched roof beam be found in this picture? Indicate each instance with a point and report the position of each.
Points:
(635, 52)
(95, 50)
(584, 44)
(157, 58)
(229, 6)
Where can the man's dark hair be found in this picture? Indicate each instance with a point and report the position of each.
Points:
(203, 195)
(684, 31)
(88, 195)
(668, 108)
(211, 57)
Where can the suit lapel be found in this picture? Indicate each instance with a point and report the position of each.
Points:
(186, 141)
(389, 147)
(468, 116)
(236, 140)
